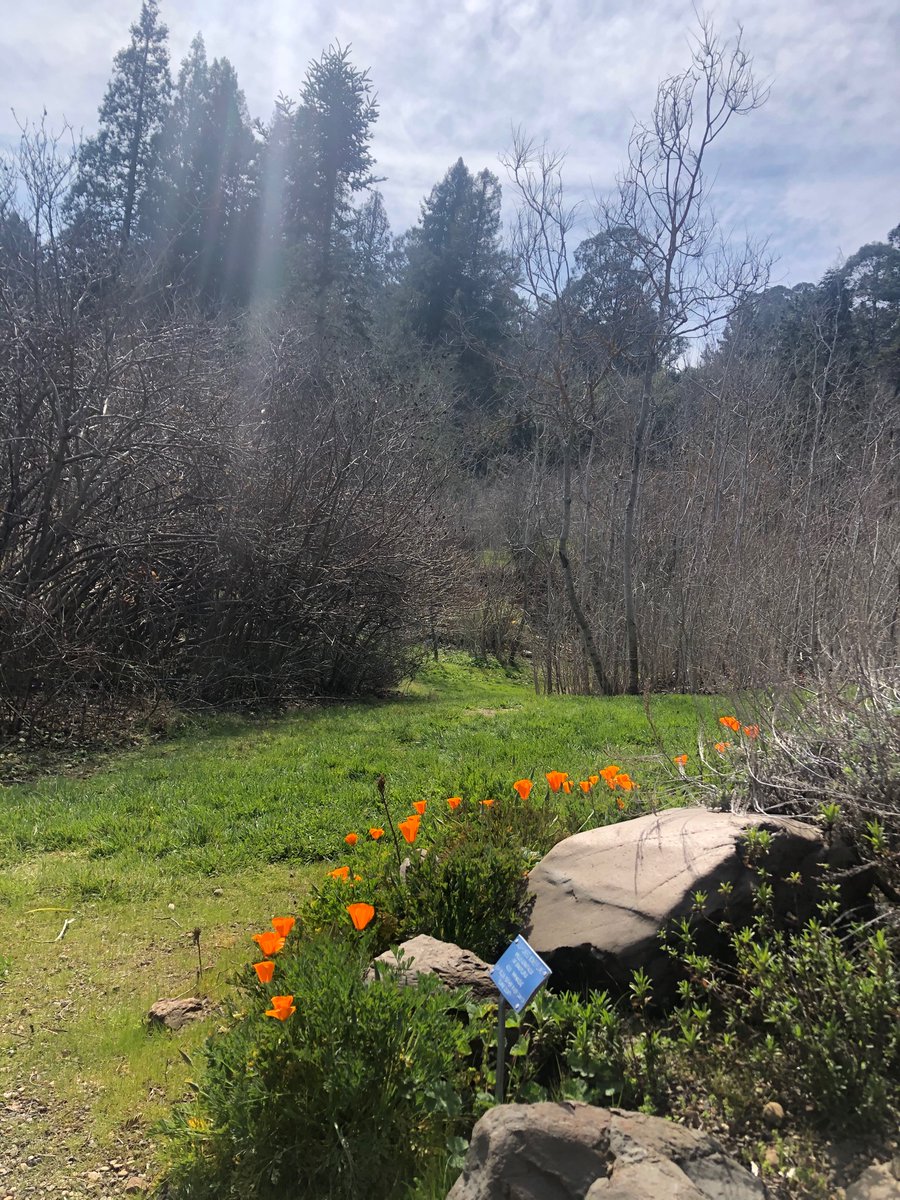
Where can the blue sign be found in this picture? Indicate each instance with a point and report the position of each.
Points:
(519, 973)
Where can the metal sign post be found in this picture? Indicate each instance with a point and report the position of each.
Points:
(517, 975)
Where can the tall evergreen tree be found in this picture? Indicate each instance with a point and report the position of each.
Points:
(457, 277)
(116, 164)
(205, 193)
(328, 160)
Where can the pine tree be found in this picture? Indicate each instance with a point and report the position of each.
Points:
(205, 193)
(457, 277)
(117, 163)
(330, 161)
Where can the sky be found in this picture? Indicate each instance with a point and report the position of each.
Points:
(815, 172)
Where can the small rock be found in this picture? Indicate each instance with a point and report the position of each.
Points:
(772, 1158)
(773, 1114)
(136, 1183)
(218, 891)
(453, 966)
(173, 1014)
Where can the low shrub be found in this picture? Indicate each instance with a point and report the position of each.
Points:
(354, 1095)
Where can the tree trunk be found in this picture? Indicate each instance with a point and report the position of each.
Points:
(632, 653)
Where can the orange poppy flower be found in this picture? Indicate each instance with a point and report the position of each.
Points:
(360, 915)
(351, 839)
(555, 779)
(585, 785)
(487, 803)
(620, 803)
(454, 802)
(410, 828)
(523, 787)
(264, 971)
(722, 746)
(567, 786)
(283, 925)
(592, 779)
(609, 774)
(375, 834)
(419, 806)
(625, 782)
(751, 731)
(680, 760)
(339, 873)
(731, 723)
(282, 1007)
(269, 942)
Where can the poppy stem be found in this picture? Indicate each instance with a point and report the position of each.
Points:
(381, 783)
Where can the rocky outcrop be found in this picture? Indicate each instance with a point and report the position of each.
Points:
(453, 966)
(601, 898)
(878, 1182)
(576, 1152)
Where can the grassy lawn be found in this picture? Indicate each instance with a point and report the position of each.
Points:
(220, 829)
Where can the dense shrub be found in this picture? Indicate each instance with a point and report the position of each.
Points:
(353, 1096)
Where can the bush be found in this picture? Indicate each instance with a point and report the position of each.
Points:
(352, 1097)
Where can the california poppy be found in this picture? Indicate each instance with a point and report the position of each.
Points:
(282, 1007)
(523, 787)
(360, 915)
(585, 785)
(592, 779)
(419, 806)
(620, 803)
(375, 834)
(409, 828)
(555, 779)
(609, 774)
(680, 760)
(722, 746)
(454, 802)
(487, 803)
(269, 942)
(567, 786)
(351, 839)
(339, 873)
(751, 731)
(265, 971)
(625, 782)
(731, 723)
(283, 925)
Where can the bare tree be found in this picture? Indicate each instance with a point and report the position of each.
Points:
(661, 215)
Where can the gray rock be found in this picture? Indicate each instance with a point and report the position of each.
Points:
(878, 1182)
(454, 966)
(601, 898)
(573, 1151)
(173, 1014)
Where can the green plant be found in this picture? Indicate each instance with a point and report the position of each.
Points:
(353, 1096)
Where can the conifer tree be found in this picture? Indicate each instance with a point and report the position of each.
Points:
(117, 163)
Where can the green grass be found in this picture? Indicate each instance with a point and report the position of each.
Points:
(229, 823)
(231, 794)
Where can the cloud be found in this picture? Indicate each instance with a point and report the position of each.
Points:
(814, 170)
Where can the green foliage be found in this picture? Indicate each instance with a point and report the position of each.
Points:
(352, 1097)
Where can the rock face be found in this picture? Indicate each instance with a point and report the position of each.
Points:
(454, 967)
(173, 1014)
(600, 898)
(576, 1152)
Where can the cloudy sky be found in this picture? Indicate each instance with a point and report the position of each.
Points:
(817, 171)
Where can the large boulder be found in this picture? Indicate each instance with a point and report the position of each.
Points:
(451, 964)
(601, 898)
(573, 1151)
